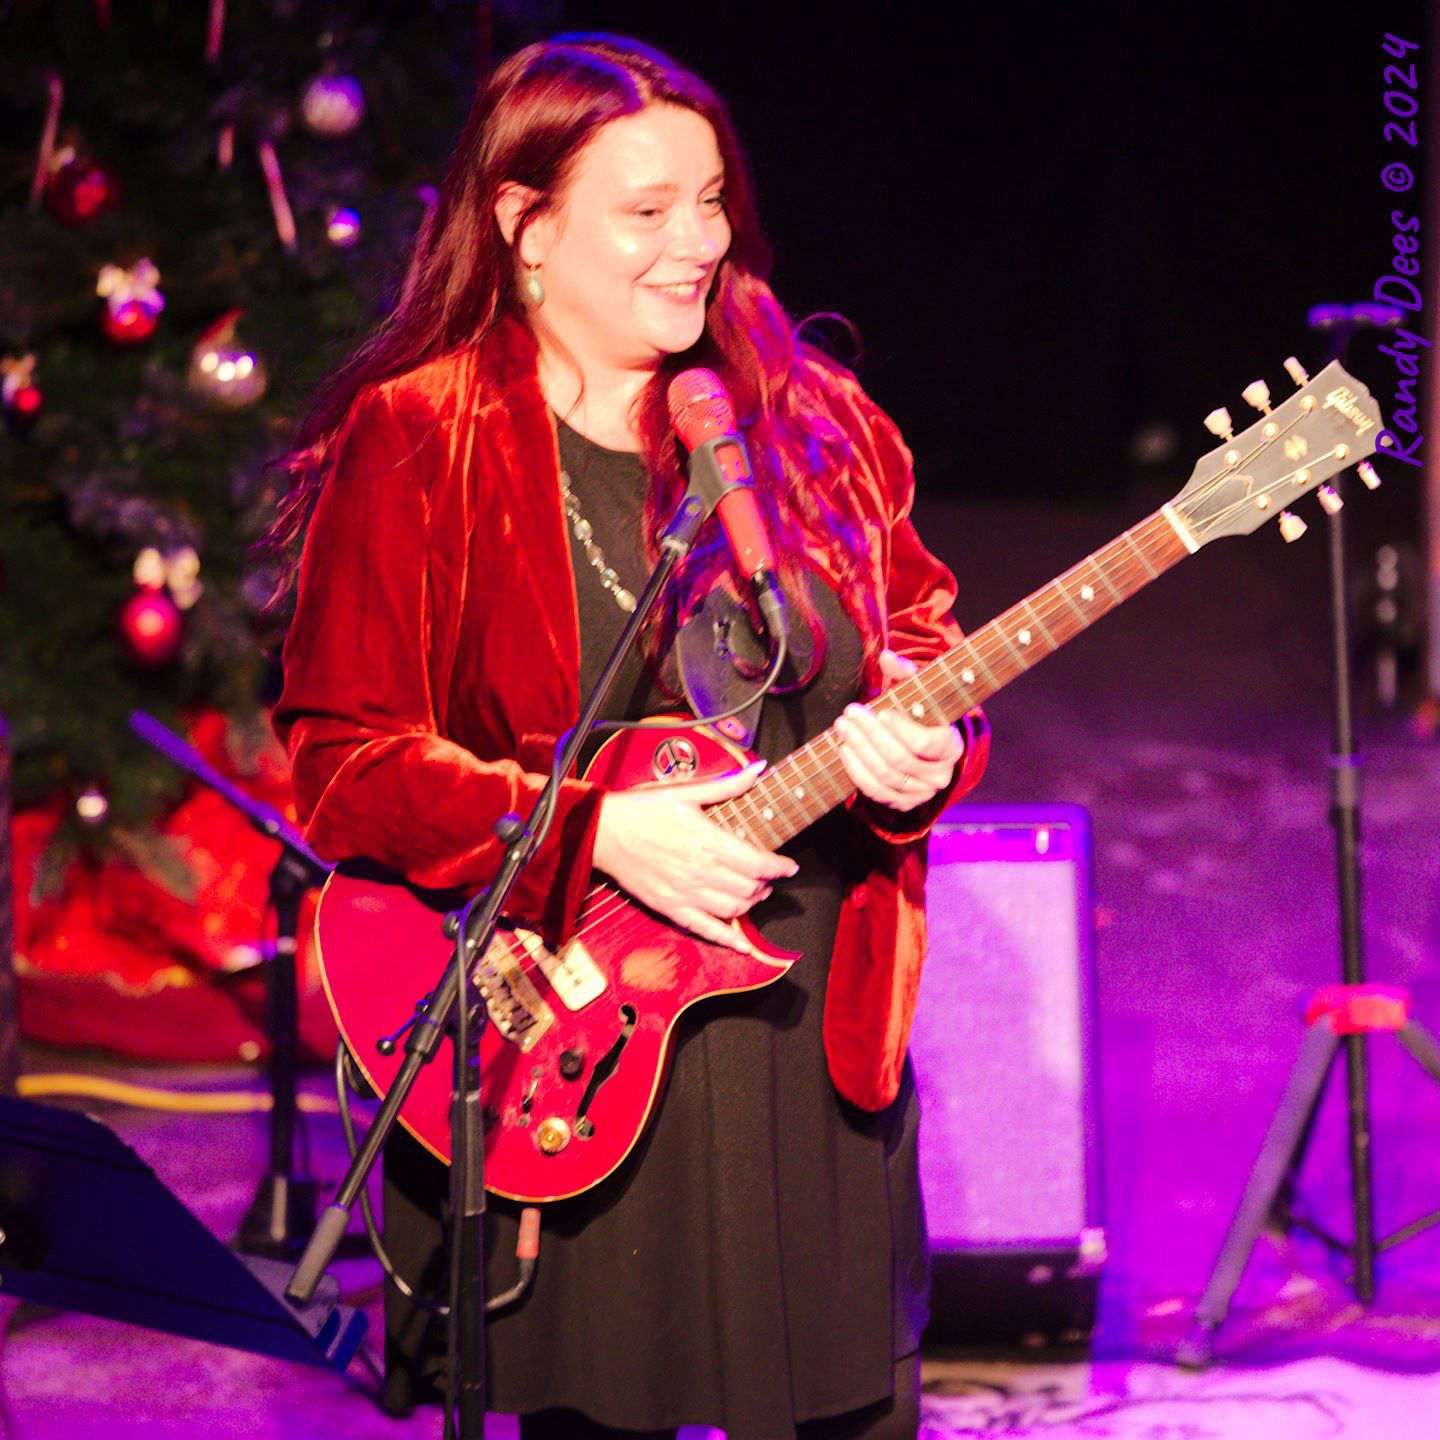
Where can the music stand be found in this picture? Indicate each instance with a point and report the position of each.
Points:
(86, 1225)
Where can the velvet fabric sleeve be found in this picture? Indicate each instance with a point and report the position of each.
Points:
(919, 595)
(367, 660)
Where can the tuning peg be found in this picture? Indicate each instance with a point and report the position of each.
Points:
(1292, 527)
(1330, 501)
(1369, 475)
(1257, 394)
(1296, 371)
(1217, 422)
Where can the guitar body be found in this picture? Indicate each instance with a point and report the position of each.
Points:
(575, 1053)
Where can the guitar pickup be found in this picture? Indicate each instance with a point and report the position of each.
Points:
(573, 974)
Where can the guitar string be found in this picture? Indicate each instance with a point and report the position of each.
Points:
(1231, 472)
(806, 765)
(983, 651)
(915, 686)
(1062, 590)
(1045, 599)
(744, 809)
(812, 769)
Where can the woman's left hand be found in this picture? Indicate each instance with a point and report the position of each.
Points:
(893, 759)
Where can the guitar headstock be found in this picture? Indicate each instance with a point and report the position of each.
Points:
(1329, 423)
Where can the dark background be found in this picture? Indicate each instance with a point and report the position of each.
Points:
(1058, 224)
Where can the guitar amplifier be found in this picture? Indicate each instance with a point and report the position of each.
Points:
(1003, 1051)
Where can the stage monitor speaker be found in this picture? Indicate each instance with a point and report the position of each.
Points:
(1004, 1056)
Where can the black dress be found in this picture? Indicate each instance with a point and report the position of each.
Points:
(760, 1259)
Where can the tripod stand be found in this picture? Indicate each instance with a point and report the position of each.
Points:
(1347, 1013)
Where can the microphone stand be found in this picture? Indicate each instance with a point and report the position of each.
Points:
(449, 1006)
(283, 1209)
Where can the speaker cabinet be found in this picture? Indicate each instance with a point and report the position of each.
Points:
(1004, 1056)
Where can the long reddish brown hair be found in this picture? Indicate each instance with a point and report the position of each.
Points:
(528, 125)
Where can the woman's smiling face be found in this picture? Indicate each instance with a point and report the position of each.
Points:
(628, 255)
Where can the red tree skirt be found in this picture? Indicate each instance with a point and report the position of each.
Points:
(118, 962)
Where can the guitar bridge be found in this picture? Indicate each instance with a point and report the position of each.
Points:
(514, 1005)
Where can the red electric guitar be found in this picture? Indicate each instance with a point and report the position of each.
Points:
(576, 1052)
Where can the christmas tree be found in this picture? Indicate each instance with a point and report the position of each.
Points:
(202, 209)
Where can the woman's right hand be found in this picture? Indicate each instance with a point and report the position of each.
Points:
(656, 843)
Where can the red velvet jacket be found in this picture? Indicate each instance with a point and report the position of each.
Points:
(434, 656)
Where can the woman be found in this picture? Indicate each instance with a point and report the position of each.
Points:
(759, 1262)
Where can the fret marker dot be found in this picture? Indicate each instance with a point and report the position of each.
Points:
(767, 813)
(1023, 637)
(1087, 592)
(799, 792)
(968, 676)
(918, 710)
(741, 832)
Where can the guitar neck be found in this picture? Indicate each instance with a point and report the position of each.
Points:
(811, 781)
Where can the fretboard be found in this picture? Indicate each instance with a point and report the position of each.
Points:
(812, 781)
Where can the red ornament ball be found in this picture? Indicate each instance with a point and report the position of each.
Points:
(27, 400)
(128, 323)
(150, 627)
(79, 190)
(22, 408)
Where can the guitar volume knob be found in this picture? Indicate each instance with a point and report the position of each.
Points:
(552, 1135)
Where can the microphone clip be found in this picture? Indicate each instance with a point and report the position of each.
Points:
(718, 467)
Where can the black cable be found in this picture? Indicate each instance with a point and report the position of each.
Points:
(767, 683)
(372, 1231)
(344, 1082)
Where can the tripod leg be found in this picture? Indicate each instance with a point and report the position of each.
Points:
(1277, 1155)
(1285, 1193)
(1421, 1044)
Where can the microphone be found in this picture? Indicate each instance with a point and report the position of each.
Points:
(701, 412)
(704, 419)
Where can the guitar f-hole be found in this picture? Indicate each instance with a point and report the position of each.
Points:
(604, 1069)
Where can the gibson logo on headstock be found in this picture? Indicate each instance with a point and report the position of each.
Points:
(1344, 399)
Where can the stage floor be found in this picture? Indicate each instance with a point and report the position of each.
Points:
(1194, 725)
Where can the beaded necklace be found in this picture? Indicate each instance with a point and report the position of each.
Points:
(584, 534)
